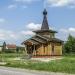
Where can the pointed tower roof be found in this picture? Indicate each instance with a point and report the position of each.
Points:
(45, 25)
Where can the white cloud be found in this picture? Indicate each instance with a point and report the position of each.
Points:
(12, 36)
(1, 35)
(69, 30)
(7, 35)
(33, 26)
(12, 6)
(2, 20)
(27, 33)
(64, 30)
(29, 28)
(64, 33)
(61, 3)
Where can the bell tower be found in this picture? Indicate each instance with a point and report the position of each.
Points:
(45, 25)
(45, 31)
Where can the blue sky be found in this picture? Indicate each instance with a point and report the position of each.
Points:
(18, 18)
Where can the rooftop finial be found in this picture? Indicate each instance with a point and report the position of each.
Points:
(45, 22)
(44, 12)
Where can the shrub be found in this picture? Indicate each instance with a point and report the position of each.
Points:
(69, 46)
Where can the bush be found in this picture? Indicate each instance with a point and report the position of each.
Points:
(69, 46)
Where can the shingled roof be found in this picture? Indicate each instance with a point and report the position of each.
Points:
(30, 40)
(41, 31)
(45, 26)
(11, 46)
(37, 39)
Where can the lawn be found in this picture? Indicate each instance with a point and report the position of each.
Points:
(67, 64)
(6, 56)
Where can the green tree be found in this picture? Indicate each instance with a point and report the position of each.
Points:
(69, 46)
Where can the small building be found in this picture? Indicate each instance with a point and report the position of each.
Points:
(10, 48)
(44, 43)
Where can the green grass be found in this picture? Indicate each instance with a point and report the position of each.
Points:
(6, 56)
(10, 55)
(66, 65)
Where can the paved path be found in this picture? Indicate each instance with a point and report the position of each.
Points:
(15, 71)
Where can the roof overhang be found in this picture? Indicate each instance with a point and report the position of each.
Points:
(41, 31)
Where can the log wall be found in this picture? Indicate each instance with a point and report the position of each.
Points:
(47, 49)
